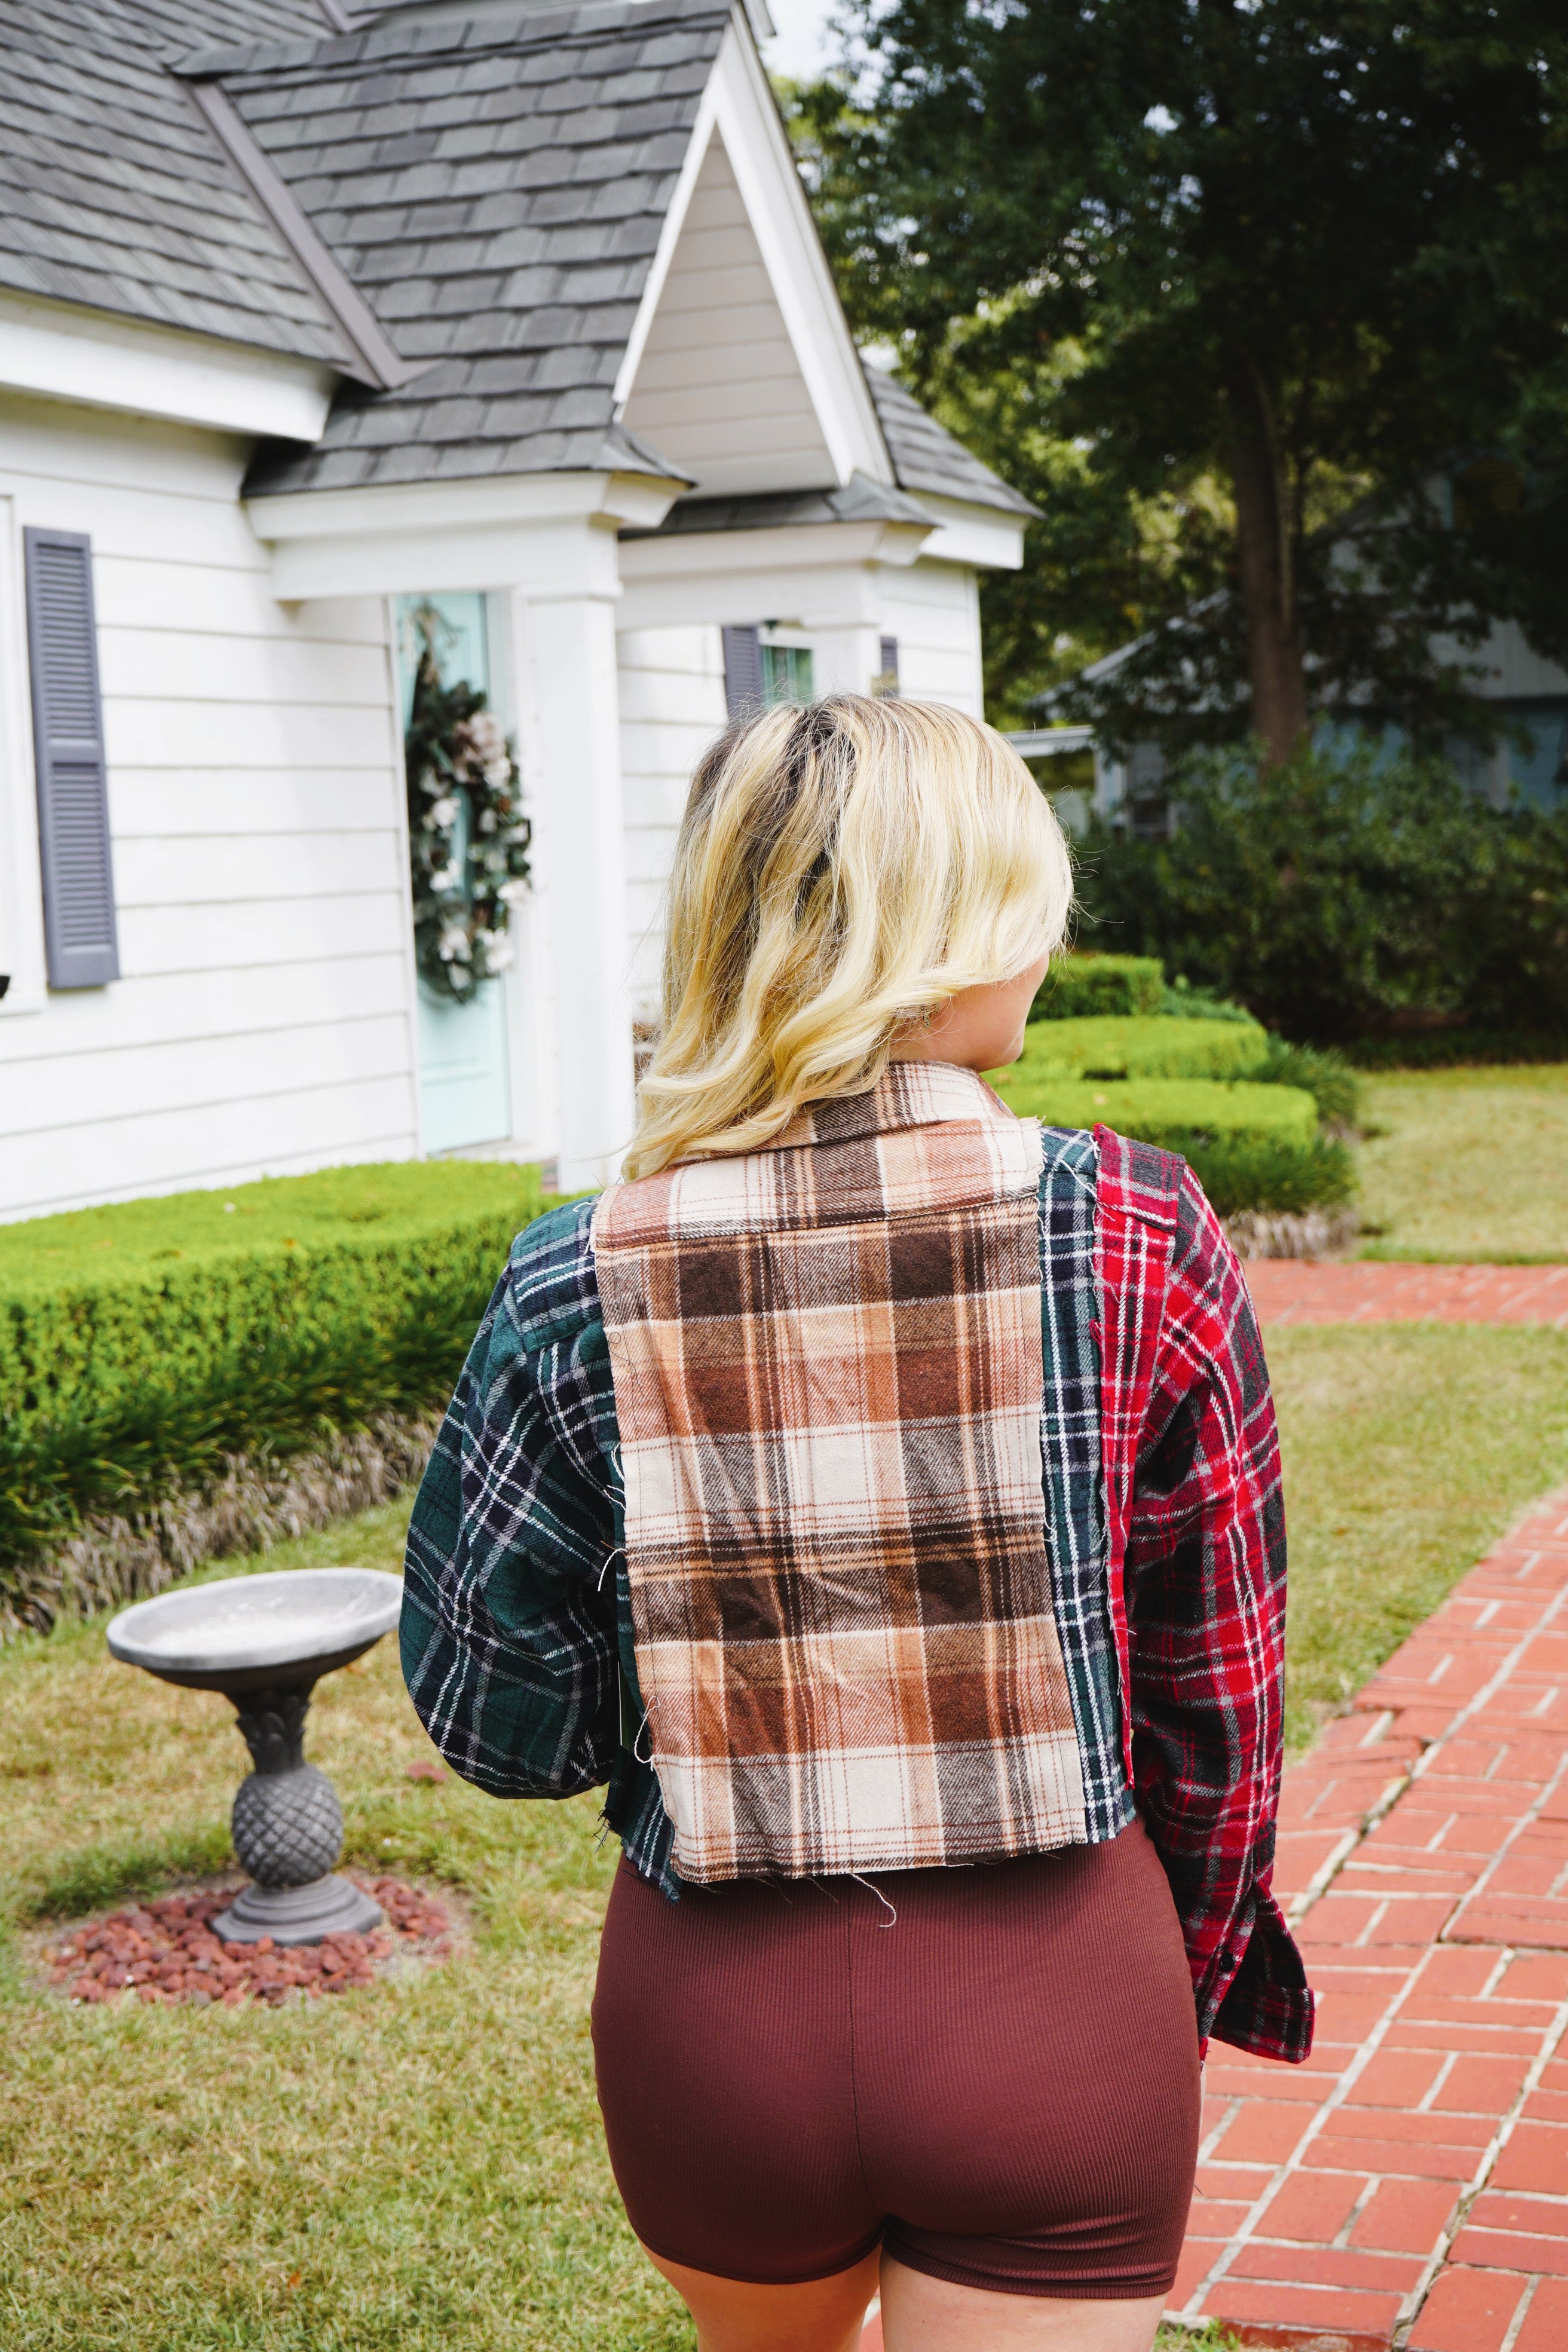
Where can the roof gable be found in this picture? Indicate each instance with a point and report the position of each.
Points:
(496, 188)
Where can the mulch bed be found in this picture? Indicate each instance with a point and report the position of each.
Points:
(165, 1951)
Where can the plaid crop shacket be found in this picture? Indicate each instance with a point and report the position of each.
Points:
(790, 1540)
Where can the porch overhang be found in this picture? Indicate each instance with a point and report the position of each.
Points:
(546, 534)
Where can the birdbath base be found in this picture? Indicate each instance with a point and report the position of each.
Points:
(265, 1642)
(298, 1915)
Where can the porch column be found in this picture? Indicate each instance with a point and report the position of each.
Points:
(568, 709)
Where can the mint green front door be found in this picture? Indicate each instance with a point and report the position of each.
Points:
(465, 1094)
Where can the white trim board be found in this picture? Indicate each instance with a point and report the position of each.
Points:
(62, 351)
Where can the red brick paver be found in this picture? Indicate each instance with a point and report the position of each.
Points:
(1409, 2185)
(1298, 1290)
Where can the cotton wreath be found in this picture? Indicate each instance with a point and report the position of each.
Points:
(468, 835)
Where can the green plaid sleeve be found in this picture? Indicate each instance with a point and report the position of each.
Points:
(508, 1633)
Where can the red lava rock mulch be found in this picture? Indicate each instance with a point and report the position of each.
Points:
(165, 1951)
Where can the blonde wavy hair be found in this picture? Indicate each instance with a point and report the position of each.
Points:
(842, 870)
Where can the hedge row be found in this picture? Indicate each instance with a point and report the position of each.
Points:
(1079, 986)
(142, 1346)
(1115, 1045)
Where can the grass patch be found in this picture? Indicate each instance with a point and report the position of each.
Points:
(420, 2168)
(1408, 1450)
(1467, 1164)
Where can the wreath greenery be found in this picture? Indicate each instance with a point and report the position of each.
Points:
(467, 834)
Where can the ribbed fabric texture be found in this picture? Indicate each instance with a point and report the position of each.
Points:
(940, 2060)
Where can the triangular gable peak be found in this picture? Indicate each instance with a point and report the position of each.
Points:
(739, 367)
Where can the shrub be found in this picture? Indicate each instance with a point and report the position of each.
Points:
(1081, 985)
(1327, 1076)
(1254, 1171)
(1346, 895)
(142, 1344)
(1140, 1047)
(1451, 1049)
(1250, 1146)
(1153, 1108)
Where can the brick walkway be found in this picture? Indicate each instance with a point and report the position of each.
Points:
(1409, 2186)
(1293, 1290)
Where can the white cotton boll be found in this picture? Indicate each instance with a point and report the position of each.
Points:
(487, 820)
(502, 955)
(512, 893)
(443, 811)
(497, 773)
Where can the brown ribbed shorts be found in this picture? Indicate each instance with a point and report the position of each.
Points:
(992, 2071)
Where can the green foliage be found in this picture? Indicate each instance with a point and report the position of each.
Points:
(1078, 985)
(1154, 1109)
(1183, 1001)
(1346, 894)
(1460, 1047)
(142, 1343)
(1255, 1172)
(1131, 253)
(1251, 1146)
(1140, 1047)
(1328, 1077)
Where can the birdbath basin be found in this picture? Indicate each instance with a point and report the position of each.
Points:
(265, 1642)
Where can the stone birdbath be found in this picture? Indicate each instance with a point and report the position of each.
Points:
(265, 1642)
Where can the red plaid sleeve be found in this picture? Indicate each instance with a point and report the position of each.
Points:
(1197, 1582)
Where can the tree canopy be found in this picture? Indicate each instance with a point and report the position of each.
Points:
(1264, 302)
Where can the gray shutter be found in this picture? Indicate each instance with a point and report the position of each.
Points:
(888, 683)
(67, 736)
(743, 670)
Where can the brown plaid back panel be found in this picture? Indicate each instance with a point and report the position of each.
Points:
(827, 1376)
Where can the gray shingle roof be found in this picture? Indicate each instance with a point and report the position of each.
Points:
(926, 457)
(492, 179)
(112, 192)
(495, 187)
(860, 500)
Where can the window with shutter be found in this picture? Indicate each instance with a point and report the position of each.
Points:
(886, 681)
(787, 673)
(743, 670)
(67, 734)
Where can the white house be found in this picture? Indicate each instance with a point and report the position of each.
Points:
(512, 307)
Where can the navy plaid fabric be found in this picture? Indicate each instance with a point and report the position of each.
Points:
(510, 1637)
(1077, 1542)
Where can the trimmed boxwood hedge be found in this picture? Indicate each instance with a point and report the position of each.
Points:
(1075, 986)
(142, 1344)
(1140, 1046)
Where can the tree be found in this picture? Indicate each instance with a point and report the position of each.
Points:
(1289, 275)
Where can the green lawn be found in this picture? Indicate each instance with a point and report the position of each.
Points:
(419, 2168)
(1467, 1163)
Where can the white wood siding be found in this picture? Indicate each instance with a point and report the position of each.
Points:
(261, 1025)
(672, 706)
(934, 610)
(719, 390)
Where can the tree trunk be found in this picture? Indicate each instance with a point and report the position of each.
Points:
(1264, 553)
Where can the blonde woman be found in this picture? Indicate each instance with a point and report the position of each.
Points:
(880, 1493)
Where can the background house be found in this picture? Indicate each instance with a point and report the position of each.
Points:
(512, 310)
